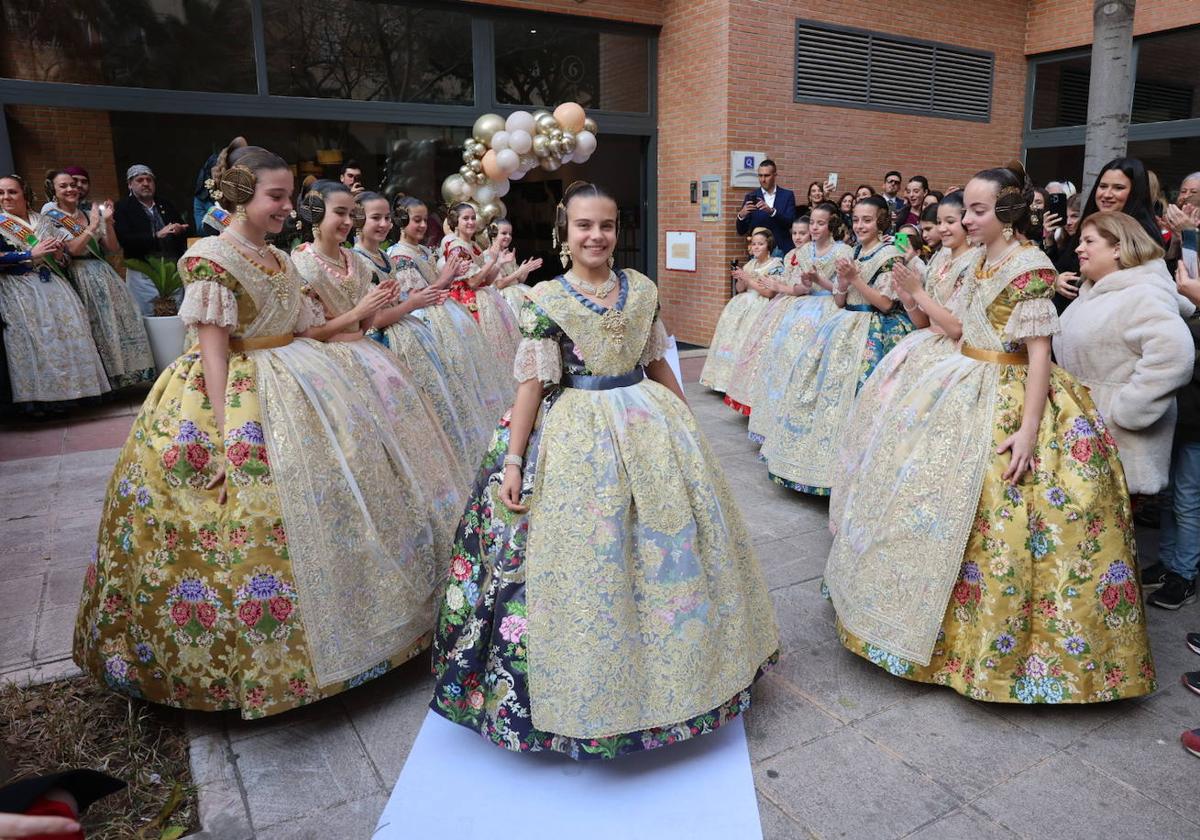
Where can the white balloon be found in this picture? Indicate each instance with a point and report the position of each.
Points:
(517, 174)
(508, 160)
(500, 140)
(519, 121)
(579, 157)
(585, 142)
(501, 188)
(567, 157)
(485, 194)
(520, 141)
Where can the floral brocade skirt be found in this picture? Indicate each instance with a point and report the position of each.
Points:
(731, 333)
(203, 606)
(116, 323)
(483, 634)
(744, 382)
(1047, 607)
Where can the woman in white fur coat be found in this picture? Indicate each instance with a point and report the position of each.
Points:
(1125, 338)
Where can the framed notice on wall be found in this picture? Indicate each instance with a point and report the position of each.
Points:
(681, 250)
(710, 197)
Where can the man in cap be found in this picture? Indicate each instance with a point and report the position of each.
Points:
(147, 226)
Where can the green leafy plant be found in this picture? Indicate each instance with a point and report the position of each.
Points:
(164, 274)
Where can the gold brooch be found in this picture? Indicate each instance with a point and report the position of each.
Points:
(613, 323)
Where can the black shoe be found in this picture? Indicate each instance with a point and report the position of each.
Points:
(1174, 593)
(1193, 641)
(1154, 577)
(1191, 681)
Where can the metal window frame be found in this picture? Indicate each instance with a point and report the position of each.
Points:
(890, 109)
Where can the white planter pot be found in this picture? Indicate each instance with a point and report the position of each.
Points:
(166, 339)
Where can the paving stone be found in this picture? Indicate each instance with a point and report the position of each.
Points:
(64, 586)
(26, 534)
(1089, 805)
(16, 641)
(304, 769)
(955, 741)
(964, 824)
(793, 559)
(22, 595)
(779, 719)
(44, 467)
(1062, 725)
(806, 621)
(776, 825)
(240, 729)
(844, 786)
(349, 820)
(223, 814)
(55, 633)
(43, 672)
(387, 715)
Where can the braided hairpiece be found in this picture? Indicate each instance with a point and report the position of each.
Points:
(1010, 205)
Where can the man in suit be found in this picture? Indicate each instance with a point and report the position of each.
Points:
(147, 226)
(769, 206)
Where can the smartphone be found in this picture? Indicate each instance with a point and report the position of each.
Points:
(833, 178)
(733, 265)
(901, 241)
(1056, 203)
(1190, 240)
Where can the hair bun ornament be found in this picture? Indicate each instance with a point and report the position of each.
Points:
(237, 185)
(312, 208)
(359, 215)
(1011, 205)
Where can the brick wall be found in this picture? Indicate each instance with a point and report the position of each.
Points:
(51, 138)
(1062, 24)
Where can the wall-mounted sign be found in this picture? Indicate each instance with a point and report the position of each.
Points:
(710, 197)
(681, 250)
(743, 168)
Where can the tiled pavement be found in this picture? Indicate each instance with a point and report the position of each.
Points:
(839, 748)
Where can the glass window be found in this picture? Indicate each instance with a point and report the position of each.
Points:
(368, 50)
(1168, 77)
(1171, 160)
(106, 42)
(1060, 92)
(543, 65)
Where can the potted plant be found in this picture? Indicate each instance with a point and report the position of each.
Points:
(164, 327)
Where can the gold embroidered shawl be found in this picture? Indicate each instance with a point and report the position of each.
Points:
(909, 511)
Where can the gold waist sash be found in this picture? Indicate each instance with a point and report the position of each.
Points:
(994, 356)
(265, 342)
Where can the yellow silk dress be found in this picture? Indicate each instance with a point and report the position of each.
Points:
(734, 327)
(942, 572)
(318, 572)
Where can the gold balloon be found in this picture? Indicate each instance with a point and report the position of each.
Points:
(556, 148)
(556, 134)
(468, 156)
(503, 209)
(590, 125)
(489, 211)
(486, 126)
(541, 145)
(568, 141)
(537, 115)
(551, 164)
(453, 189)
(476, 166)
(546, 124)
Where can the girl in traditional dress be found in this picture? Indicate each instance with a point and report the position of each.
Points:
(816, 266)
(986, 543)
(472, 285)
(753, 294)
(52, 360)
(458, 405)
(512, 277)
(116, 323)
(266, 538)
(789, 288)
(801, 450)
(462, 344)
(603, 597)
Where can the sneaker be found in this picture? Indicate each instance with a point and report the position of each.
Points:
(1191, 741)
(1191, 681)
(1153, 577)
(1174, 593)
(1193, 641)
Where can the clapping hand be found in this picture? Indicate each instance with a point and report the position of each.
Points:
(848, 275)
(907, 279)
(1181, 219)
(1188, 286)
(47, 247)
(453, 266)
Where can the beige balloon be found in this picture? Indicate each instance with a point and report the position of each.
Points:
(490, 167)
(570, 115)
(486, 126)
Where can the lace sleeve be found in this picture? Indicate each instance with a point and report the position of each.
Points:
(656, 343)
(312, 314)
(208, 302)
(1033, 312)
(885, 285)
(408, 275)
(538, 358)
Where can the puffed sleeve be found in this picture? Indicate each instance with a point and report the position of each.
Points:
(656, 343)
(407, 274)
(208, 296)
(1033, 314)
(885, 285)
(538, 354)
(312, 314)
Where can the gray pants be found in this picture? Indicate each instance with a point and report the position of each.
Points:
(144, 292)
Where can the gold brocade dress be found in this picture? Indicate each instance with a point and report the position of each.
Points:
(462, 345)
(941, 572)
(797, 326)
(317, 574)
(733, 329)
(626, 610)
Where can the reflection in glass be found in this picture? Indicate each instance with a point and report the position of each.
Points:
(544, 65)
(136, 43)
(1168, 71)
(368, 50)
(1060, 93)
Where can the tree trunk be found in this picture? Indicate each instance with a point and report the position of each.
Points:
(1110, 94)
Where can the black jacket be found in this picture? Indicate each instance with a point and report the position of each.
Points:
(136, 234)
(1187, 398)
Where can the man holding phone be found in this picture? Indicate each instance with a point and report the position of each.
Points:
(770, 206)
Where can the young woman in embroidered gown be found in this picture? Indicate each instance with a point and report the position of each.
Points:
(801, 449)
(52, 360)
(512, 277)
(1026, 591)
(742, 311)
(473, 284)
(789, 287)
(262, 543)
(817, 268)
(458, 406)
(603, 597)
(935, 303)
(464, 347)
(116, 323)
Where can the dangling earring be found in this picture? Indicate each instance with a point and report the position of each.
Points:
(564, 254)
(239, 212)
(1008, 233)
(316, 233)
(611, 261)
